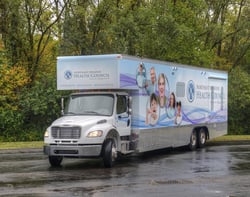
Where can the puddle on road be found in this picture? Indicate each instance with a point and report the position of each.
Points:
(171, 182)
(241, 162)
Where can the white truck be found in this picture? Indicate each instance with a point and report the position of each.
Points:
(124, 104)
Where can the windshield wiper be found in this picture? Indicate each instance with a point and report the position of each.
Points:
(83, 113)
(70, 113)
(91, 112)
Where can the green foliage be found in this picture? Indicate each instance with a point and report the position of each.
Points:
(239, 102)
(40, 104)
(10, 123)
(33, 109)
(13, 79)
(2, 57)
(28, 30)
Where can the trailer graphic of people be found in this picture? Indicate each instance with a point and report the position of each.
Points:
(141, 76)
(152, 111)
(151, 84)
(161, 89)
(171, 107)
(178, 117)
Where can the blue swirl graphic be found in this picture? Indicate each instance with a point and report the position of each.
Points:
(127, 81)
(205, 116)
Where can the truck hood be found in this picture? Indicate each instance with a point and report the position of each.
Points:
(79, 120)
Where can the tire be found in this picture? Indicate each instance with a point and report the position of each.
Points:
(193, 141)
(109, 153)
(55, 161)
(202, 137)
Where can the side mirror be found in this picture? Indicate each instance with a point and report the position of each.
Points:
(62, 106)
(129, 111)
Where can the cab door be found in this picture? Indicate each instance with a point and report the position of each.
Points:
(123, 117)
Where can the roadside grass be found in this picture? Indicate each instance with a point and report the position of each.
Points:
(21, 145)
(232, 138)
(39, 144)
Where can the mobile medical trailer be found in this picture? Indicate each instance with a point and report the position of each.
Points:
(125, 104)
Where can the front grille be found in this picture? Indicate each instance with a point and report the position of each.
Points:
(66, 132)
(70, 152)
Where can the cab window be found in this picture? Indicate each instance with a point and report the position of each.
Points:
(121, 104)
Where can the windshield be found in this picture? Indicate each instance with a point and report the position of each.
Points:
(91, 104)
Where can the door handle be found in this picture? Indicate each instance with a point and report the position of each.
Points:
(128, 122)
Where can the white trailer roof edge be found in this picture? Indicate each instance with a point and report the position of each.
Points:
(179, 65)
(79, 57)
(142, 59)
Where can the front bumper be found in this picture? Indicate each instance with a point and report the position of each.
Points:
(73, 151)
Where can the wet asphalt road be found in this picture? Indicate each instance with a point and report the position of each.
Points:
(222, 171)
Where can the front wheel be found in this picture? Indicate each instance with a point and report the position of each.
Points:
(202, 138)
(193, 141)
(109, 153)
(55, 161)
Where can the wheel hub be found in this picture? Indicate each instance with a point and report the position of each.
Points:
(202, 137)
(114, 153)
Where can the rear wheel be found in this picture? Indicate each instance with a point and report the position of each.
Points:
(109, 153)
(202, 138)
(55, 161)
(193, 140)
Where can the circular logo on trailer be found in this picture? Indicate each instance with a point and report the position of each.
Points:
(190, 91)
(67, 74)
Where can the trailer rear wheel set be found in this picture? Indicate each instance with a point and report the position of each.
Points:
(198, 138)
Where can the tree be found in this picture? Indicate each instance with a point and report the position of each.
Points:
(239, 102)
(13, 79)
(27, 29)
(30, 41)
(207, 33)
(40, 104)
(75, 39)
(226, 31)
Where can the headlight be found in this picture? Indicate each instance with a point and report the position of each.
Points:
(97, 133)
(46, 134)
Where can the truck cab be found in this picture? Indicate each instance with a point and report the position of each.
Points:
(94, 124)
